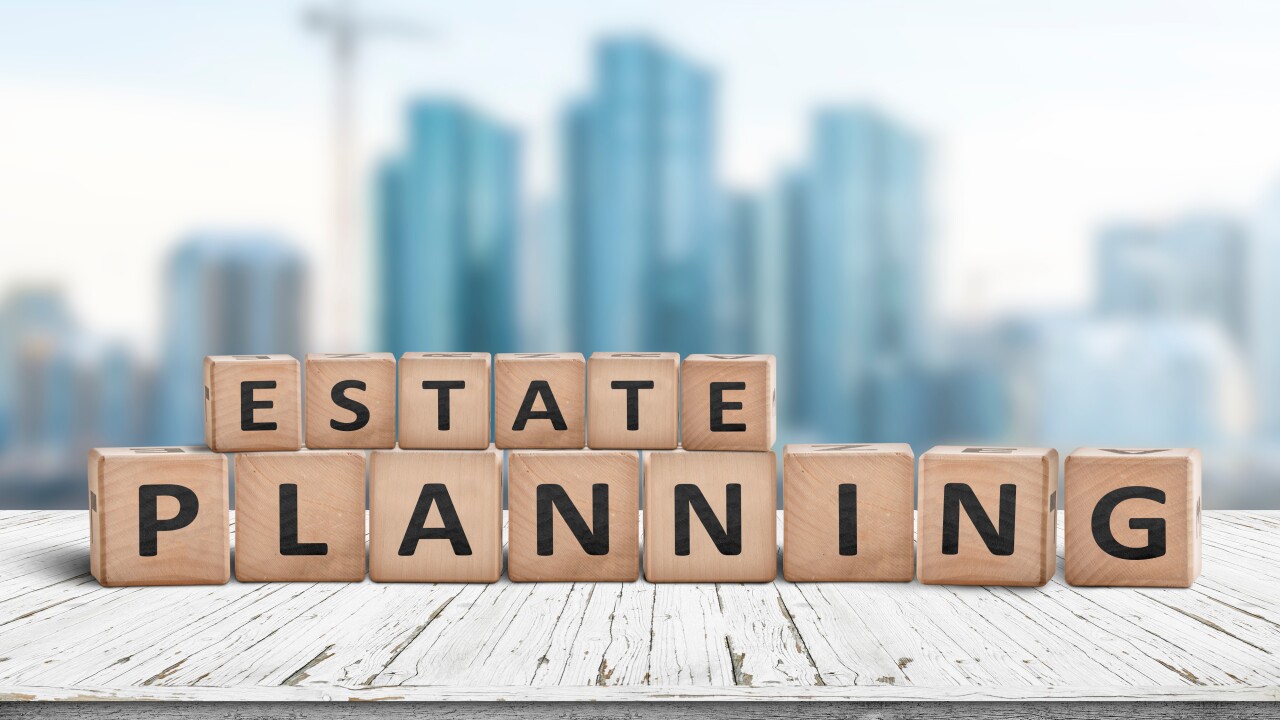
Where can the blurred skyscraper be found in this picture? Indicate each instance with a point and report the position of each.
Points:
(1193, 269)
(447, 214)
(640, 197)
(861, 304)
(61, 392)
(224, 294)
(1264, 317)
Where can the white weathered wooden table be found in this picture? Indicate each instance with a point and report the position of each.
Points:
(509, 649)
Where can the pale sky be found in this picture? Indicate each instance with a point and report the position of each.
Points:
(125, 124)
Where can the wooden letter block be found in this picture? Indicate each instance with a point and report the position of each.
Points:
(435, 516)
(1133, 517)
(158, 516)
(988, 516)
(444, 401)
(574, 516)
(300, 516)
(850, 513)
(710, 516)
(540, 400)
(351, 400)
(252, 402)
(728, 402)
(632, 401)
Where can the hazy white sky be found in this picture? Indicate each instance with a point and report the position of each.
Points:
(125, 124)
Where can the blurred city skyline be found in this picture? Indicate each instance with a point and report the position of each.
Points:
(633, 224)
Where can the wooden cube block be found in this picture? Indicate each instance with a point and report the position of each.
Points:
(252, 402)
(540, 400)
(728, 402)
(1133, 517)
(444, 401)
(988, 516)
(633, 401)
(300, 516)
(710, 516)
(158, 516)
(850, 512)
(574, 516)
(435, 515)
(351, 400)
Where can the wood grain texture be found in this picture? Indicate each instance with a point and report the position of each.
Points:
(1154, 496)
(274, 424)
(564, 378)
(330, 425)
(713, 474)
(329, 489)
(472, 480)
(748, 422)
(424, 421)
(577, 472)
(1033, 475)
(63, 637)
(657, 408)
(668, 710)
(882, 496)
(198, 553)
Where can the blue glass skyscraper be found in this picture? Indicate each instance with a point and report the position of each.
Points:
(224, 294)
(641, 200)
(861, 309)
(447, 211)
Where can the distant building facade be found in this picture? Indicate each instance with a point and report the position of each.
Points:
(640, 197)
(447, 213)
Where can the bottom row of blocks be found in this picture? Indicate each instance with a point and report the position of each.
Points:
(987, 516)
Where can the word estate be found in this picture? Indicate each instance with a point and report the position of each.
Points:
(705, 429)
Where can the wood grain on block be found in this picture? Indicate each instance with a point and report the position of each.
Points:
(351, 400)
(728, 402)
(710, 516)
(435, 515)
(857, 502)
(987, 516)
(573, 516)
(444, 401)
(1132, 516)
(252, 402)
(300, 516)
(633, 401)
(158, 516)
(540, 400)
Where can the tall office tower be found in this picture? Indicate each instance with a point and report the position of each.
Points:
(638, 177)
(862, 307)
(1264, 316)
(225, 293)
(37, 376)
(1193, 269)
(447, 213)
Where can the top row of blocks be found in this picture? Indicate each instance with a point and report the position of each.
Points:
(616, 401)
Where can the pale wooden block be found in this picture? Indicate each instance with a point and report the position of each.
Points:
(710, 516)
(252, 402)
(351, 400)
(1017, 542)
(728, 402)
(558, 501)
(435, 515)
(300, 516)
(632, 401)
(540, 400)
(1133, 516)
(158, 516)
(853, 512)
(444, 401)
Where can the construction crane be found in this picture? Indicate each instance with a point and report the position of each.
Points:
(346, 31)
